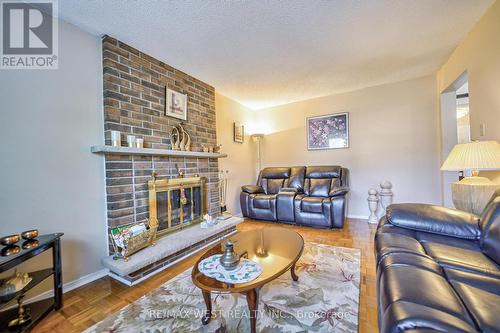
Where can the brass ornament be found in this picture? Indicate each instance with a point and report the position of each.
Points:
(29, 234)
(10, 240)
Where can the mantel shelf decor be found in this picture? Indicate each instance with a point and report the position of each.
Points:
(112, 150)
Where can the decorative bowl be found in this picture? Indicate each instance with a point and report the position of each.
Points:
(29, 234)
(9, 240)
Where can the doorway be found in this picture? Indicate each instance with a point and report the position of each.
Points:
(455, 128)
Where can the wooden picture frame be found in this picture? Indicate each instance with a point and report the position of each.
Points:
(175, 104)
(239, 133)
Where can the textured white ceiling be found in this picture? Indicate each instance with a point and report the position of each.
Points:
(269, 52)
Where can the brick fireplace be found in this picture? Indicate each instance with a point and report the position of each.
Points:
(134, 103)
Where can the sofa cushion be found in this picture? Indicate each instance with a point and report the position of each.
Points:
(484, 306)
(490, 227)
(463, 257)
(263, 201)
(410, 260)
(262, 206)
(387, 243)
(273, 186)
(296, 179)
(420, 286)
(481, 295)
(490, 284)
(319, 187)
(319, 172)
(312, 205)
(275, 173)
(470, 244)
(323, 219)
(413, 317)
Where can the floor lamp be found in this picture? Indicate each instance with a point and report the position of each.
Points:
(472, 194)
(257, 138)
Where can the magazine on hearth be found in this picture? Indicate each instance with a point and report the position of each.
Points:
(121, 235)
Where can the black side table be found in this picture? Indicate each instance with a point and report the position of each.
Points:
(41, 308)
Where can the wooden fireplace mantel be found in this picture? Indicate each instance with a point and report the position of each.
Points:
(111, 150)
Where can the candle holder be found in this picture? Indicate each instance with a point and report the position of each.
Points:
(116, 140)
(139, 142)
(23, 315)
(131, 141)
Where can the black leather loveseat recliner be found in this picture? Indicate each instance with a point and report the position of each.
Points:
(438, 269)
(313, 196)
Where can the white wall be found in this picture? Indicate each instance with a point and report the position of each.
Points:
(241, 160)
(50, 180)
(393, 136)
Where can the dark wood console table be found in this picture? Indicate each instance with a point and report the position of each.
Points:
(41, 308)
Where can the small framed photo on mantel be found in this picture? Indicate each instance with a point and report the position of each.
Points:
(239, 133)
(175, 104)
(328, 131)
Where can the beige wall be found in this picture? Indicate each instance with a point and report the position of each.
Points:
(479, 55)
(241, 161)
(50, 180)
(393, 136)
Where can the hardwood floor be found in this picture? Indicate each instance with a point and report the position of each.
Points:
(93, 302)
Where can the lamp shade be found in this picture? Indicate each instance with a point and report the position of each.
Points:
(477, 155)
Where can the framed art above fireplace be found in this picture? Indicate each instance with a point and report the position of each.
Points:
(175, 104)
(328, 131)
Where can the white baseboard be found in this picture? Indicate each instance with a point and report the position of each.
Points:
(361, 217)
(70, 285)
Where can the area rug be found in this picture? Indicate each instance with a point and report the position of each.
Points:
(325, 299)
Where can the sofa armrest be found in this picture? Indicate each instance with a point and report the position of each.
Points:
(252, 189)
(434, 219)
(338, 191)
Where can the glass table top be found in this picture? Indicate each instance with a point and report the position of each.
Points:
(275, 249)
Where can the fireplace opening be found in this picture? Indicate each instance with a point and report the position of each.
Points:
(176, 203)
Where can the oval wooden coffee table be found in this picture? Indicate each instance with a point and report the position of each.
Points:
(275, 249)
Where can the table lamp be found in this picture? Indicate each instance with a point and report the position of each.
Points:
(473, 193)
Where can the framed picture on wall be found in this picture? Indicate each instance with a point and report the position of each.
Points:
(328, 131)
(239, 133)
(175, 104)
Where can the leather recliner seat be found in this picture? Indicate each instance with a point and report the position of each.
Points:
(438, 269)
(313, 196)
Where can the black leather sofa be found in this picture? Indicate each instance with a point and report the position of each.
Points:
(438, 269)
(312, 196)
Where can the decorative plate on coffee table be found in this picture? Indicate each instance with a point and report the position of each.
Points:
(246, 271)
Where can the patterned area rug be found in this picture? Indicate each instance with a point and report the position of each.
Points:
(325, 299)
